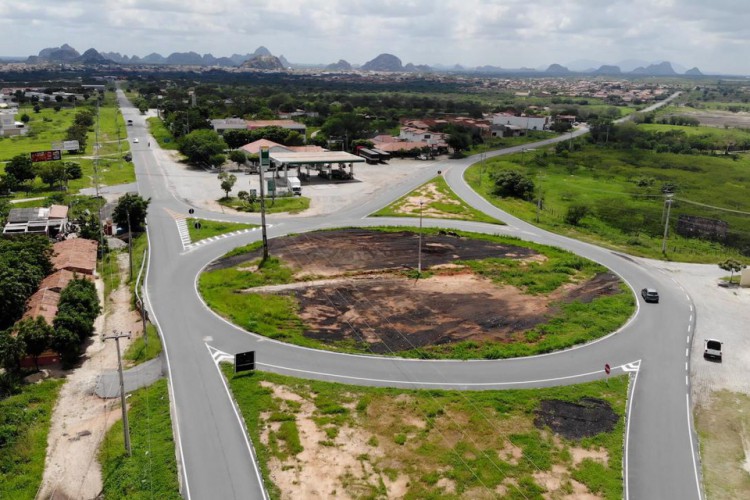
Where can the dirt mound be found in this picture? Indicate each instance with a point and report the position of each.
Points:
(588, 417)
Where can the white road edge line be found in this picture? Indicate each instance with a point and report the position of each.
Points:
(173, 403)
(627, 432)
(239, 420)
(624, 368)
(692, 448)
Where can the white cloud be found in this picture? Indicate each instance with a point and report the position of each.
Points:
(712, 35)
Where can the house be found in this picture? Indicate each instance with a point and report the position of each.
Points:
(524, 121)
(8, 124)
(411, 134)
(220, 126)
(76, 255)
(37, 220)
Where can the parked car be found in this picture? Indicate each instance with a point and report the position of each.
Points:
(135, 140)
(712, 349)
(650, 295)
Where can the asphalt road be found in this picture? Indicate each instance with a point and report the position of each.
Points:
(216, 457)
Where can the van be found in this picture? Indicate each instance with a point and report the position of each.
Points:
(295, 186)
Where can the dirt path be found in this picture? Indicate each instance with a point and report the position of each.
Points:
(81, 419)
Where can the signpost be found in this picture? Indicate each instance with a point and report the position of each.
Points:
(66, 145)
(244, 361)
(607, 369)
(51, 155)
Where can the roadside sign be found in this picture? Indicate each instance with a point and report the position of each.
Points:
(66, 145)
(607, 369)
(265, 156)
(271, 185)
(244, 361)
(197, 225)
(253, 193)
(191, 211)
(51, 155)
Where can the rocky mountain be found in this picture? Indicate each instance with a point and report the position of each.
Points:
(417, 68)
(556, 69)
(607, 70)
(339, 66)
(660, 69)
(91, 56)
(270, 63)
(63, 54)
(154, 58)
(384, 62)
(284, 62)
(693, 72)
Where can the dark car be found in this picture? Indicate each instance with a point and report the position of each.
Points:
(650, 295)
(712, 349)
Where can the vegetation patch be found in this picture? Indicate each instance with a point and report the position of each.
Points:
(434, 199)
(24, 425)
(320, 439)
(151, 471)
(478, 296)
(280, 204)
(201, 229)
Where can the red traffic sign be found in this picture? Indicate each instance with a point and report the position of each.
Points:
(607, 368)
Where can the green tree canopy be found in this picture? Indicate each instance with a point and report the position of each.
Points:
(36, 334)
(136, 208)
(513, 184)
(200, 145)
(21, 167)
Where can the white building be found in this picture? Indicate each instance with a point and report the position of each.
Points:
(525, 122)
(411, 134)
(8, 124)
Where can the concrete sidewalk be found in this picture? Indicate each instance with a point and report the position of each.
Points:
(143, 375)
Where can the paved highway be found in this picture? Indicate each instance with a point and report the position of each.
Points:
(216, 457)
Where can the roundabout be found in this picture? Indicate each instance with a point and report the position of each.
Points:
(216, 457)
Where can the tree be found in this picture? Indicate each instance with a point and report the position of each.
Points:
(73, 170)
(238, 156)
(12, 351)
(459, 141)
(134, 206)
(51, 173)
(575, 213)
(227, 182)
(25, 118)
(733, 266)
(37, 108)
(512, 183)
(200, 145)
(67, 345)
(35, 334)
(236, 138)
(21, 167)
(8, 183)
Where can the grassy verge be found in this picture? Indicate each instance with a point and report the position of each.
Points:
(494, 143)
(722, 427)
(151, 472)
(277, 316)
(438, 201)
(621, 192)
(210, 228)
(141, 350)
(24, 425)
(425, 444)
(161, 134)
(291, 204)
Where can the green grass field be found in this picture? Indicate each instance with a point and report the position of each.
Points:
(436, 443)
(161, 134)
(211, 228)
(24, 425)
(622, 190)
(291, 204)
(277, 316)
(151, 472)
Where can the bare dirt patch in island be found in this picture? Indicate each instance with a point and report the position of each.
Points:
(353, 286)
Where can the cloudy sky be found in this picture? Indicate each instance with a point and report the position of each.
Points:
(713, 35)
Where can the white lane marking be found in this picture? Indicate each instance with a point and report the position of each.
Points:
(686, 296)
(690, 327)
(688, 339)
(686, 366)
(208, 338)
(624, 368)
(627, 430)
(691, 307)
(687, 381)
(687, 352)
(691, 318)
(184, 233)
(692, 449)
(249, 445)
(631, 367)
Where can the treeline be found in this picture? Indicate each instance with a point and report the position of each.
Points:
(24, 262)
(629, 135)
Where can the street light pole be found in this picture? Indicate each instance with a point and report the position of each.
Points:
(668, 202)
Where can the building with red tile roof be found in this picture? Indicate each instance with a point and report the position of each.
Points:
(76, 255)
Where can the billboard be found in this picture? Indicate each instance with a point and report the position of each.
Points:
(67, 145)
(51, 155)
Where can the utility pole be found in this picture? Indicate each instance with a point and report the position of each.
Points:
(668, 202)
(419, 253)
(130, 243)
(264, 156)
(125, 427)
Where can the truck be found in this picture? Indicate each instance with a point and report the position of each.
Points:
(289, 184)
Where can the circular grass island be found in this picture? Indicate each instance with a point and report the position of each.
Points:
(358, 290)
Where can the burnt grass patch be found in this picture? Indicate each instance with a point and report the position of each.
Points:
(478, 296)
(586, 418)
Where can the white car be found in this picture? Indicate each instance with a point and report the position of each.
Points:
(712, 349)
(135, 140)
